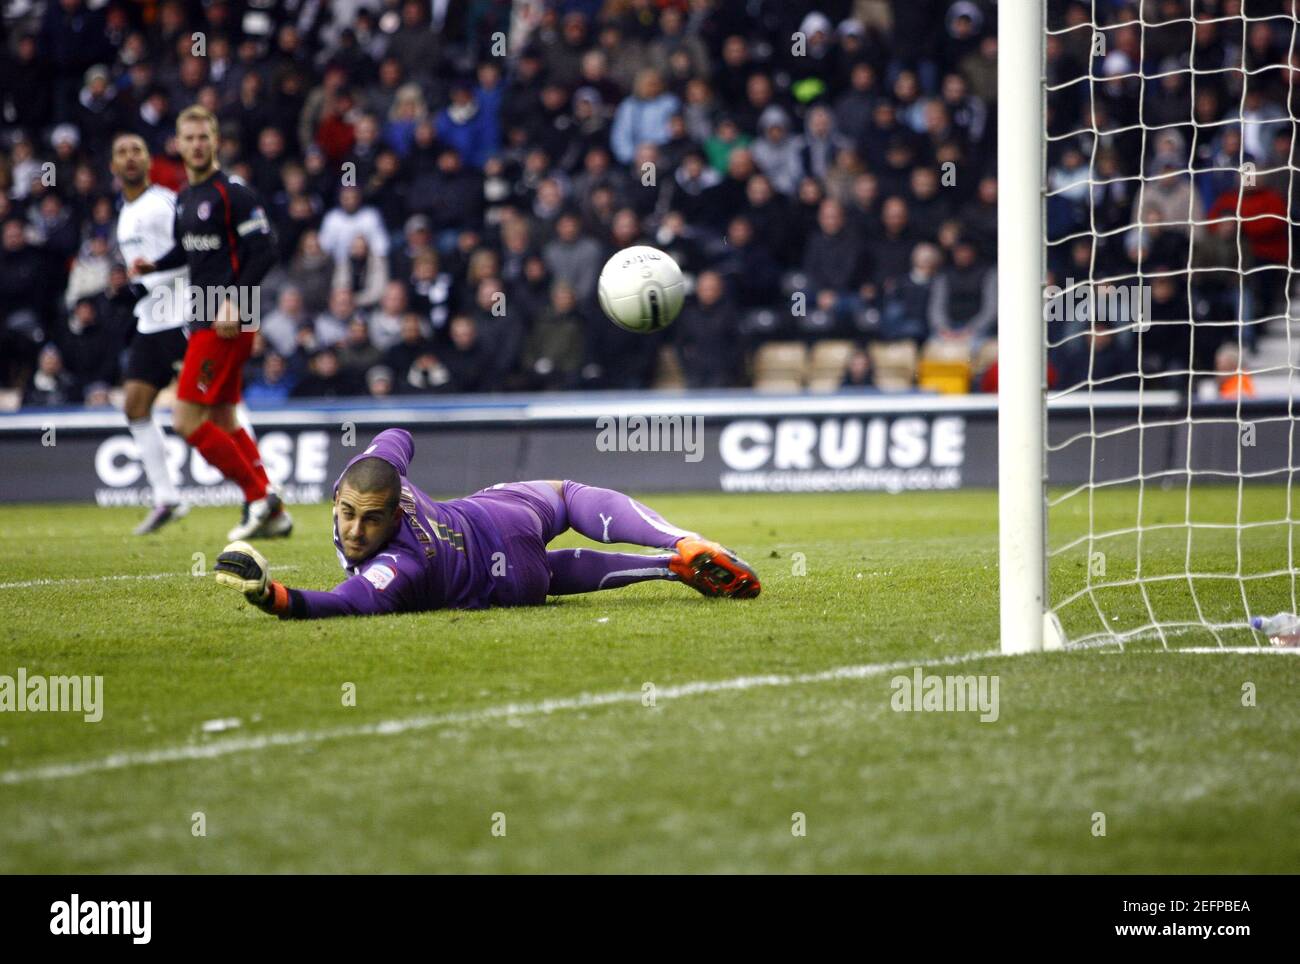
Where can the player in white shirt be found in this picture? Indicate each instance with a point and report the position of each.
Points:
(144, 230)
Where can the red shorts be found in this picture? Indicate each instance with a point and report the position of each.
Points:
(212, 372)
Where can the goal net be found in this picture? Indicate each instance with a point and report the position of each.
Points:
(1166, 188)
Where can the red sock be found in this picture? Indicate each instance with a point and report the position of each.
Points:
(248, 448)
(223, 454)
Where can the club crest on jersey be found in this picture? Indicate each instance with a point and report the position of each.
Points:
(204, 209)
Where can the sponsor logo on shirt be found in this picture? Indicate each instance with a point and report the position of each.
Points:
(380, 576)
(257, 222)
(201, 242)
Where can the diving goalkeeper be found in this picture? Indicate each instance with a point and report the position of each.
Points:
(404, 552)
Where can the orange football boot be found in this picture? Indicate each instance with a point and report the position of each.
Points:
(712, 570)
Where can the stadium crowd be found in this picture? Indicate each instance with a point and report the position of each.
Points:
(446, 180)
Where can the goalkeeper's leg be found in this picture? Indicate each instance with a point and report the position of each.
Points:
(609, 516)
(587, 570)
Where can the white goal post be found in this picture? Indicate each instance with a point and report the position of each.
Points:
(1021, 337)
(1151, 154)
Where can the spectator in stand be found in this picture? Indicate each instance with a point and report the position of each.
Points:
(379, 381)
(414, 342)
(325, 378)
(770, 215)
(417, 238)
(834, 263)
(979, 217)
(331, 326)
(451, 195)
(431, 291)
(280, 326)
(363, 157)
(777, 153)
(312, 272)
(572, 258)
(468, 358)
(553, 353)
(905, 302)
(350, 219)
(50, 385)
(273, 385)
(98, 395)
(52, 223)
(728, 139)
(820, 143)
(501, 328)
(90, 350)
(464, 126)
(858, 373)
(89, 274)
(690, 190)
(363, 272)
(1106, 358)
(928, 206)
(708, 324)
(407, 111)
(1167, 342)
(964, 298)
(1262, 223)
(891, 250)
(1233, 383)
(854, 108)
(356, 353)
(25, 309)
(749, 270)
(386, 320)
(643, 117)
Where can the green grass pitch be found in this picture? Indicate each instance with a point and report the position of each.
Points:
(452, 737)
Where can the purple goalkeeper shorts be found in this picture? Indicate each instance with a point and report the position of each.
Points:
(526, 516)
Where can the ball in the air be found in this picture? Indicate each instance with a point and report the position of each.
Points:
(641, 289)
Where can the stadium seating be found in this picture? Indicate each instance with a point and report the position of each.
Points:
(945, 367)
(893, 365)
(779, 366)
(827, 364)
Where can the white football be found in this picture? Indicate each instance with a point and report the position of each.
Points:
(641, 289)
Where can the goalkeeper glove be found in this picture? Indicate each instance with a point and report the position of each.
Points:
(242, 567)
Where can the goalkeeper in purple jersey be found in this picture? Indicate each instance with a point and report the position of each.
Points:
(404, 552)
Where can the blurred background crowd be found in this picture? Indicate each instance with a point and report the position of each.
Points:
(447, 178)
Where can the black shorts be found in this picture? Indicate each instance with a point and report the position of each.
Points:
(156, 358)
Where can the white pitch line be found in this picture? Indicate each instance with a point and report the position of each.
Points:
(74, 580)
(1247, 650)
(225, 747)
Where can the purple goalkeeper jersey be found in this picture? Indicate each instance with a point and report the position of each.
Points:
(441, 555)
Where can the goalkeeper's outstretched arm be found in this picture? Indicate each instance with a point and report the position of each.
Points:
(242, 567)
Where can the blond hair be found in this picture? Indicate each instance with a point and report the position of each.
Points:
(197, 112)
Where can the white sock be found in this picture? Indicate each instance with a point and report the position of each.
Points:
(153, 453)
